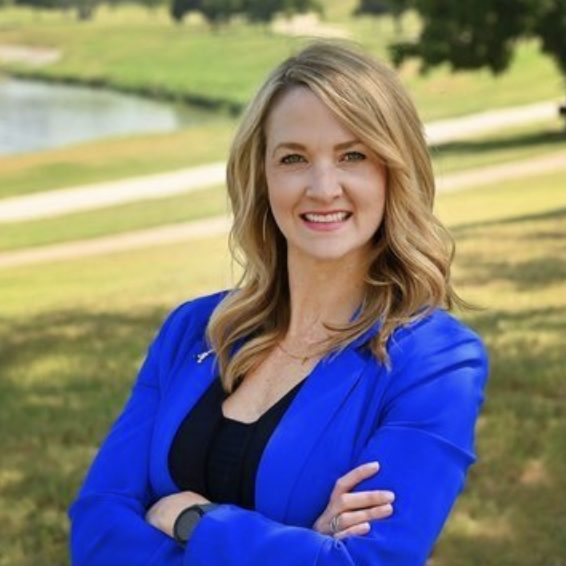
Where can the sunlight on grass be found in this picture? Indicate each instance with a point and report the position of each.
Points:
(462, 524)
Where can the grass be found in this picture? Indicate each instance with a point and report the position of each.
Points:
(112, 159)
(493, 148)
(514, 144)
(133, 50)
(72, 336)
(115, 220)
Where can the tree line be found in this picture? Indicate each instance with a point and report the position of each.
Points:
(466, 34)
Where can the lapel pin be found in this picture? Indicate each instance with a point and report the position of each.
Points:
(202, 356)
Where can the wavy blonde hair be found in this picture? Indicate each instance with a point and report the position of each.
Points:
(409, 272)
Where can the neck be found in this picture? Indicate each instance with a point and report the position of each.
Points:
(326, 291)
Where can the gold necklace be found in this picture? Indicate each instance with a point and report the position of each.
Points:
(302, 359)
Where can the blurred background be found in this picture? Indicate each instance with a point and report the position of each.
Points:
(115, 121)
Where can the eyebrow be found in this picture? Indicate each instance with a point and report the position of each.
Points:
(295, 145)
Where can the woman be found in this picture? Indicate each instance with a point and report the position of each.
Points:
(251, 430)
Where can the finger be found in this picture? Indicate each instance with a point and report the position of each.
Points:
(361, 529)
(351, 518)
(362, 499)
(347, 482)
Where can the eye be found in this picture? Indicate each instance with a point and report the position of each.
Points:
(354, 156)
(291, 158)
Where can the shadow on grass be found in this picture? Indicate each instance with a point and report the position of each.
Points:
(510, 511)
(559, 215)
(513, 141)
(67, 375)
(64, 378)
(533, 274)
(541, 234)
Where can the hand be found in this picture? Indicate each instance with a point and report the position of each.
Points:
(354, 509)
(163, 513)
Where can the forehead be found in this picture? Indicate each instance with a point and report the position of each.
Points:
(300, 115)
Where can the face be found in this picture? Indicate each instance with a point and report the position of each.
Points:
(326, 189)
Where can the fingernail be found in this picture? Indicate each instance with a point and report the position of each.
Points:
(373, 465)
(389, 496)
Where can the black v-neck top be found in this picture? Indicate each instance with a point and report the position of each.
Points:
(217, 456)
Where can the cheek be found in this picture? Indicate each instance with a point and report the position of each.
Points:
(282, 192)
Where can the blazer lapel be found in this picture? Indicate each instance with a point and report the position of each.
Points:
(193, 379)
(302, 424)
(287, 450)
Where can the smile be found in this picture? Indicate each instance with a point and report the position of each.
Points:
(325, 222)
(326, 218)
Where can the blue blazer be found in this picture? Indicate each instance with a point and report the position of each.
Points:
(417, 419)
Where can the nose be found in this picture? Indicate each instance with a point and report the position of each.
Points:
(324, 184)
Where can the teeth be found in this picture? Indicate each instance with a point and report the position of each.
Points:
(335, 217)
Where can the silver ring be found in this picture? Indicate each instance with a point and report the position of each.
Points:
(334, 524)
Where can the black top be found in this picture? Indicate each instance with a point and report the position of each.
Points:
(217, 456)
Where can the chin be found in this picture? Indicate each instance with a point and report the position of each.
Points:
(327, 255)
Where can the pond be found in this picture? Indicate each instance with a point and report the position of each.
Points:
(36, 115)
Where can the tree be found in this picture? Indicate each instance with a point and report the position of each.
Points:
(381, 7)
(550, 25)
(216, 12)
(179, 8)
(85, 8)
(265, 10)
(478, 33)
(483, 33)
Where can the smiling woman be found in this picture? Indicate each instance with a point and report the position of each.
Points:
(278, 422)
(328, 195)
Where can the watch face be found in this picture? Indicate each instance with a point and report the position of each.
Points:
(186, 523)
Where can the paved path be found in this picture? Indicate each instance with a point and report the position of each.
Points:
(160, 236)
(64, 201)
(89, 197)
(219, 225)
(29, 55)
(492, 120)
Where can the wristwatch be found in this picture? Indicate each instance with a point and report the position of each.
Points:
(188, 519)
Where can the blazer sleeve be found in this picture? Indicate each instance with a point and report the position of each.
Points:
(108, 524)
(424, 441)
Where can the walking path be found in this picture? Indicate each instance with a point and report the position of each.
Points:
(219, 225)
(469, 126)
(162, 235)
(29, 55)
(90, 197)
(64, 201)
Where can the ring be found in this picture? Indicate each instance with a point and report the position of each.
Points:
(334, 524)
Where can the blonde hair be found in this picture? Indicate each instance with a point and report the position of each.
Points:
(409, 273)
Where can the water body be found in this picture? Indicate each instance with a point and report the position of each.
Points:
(35, 115)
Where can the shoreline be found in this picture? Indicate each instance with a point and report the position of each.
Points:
(224, 106)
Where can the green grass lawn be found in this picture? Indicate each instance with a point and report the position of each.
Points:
(494, 148)
(115, 220)
(74, 333)
(112, 159)
(136, 50)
